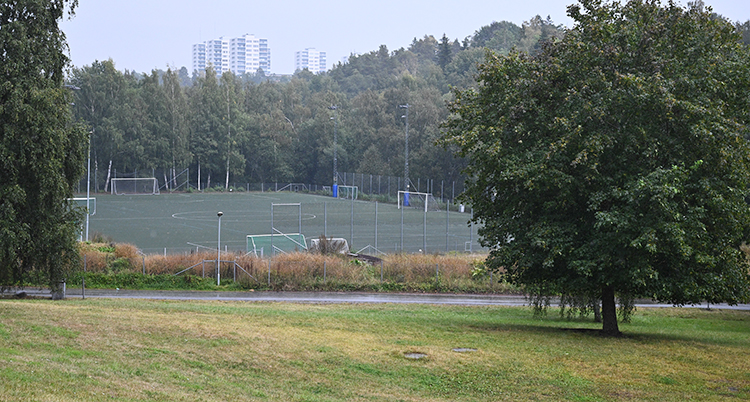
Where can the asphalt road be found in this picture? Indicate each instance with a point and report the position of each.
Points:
(331, 297)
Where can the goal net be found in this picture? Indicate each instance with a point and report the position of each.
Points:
(348, 192)
(135, 186)
(417, 200)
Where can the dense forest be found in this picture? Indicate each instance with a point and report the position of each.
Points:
(261, 129)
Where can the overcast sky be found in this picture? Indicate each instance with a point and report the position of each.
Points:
(142, 35)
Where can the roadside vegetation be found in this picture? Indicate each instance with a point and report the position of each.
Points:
(138, 350)
(110, 265)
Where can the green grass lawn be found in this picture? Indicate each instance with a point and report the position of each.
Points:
(133, 350)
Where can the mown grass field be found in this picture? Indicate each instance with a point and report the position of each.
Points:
(137, 350)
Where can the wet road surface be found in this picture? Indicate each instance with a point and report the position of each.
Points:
(331, 297)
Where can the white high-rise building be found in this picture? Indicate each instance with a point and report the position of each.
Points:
(310, 59)
(217, 55)
(245, 54)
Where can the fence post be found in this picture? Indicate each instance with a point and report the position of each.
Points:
(203, 268)
(144, 265)
(325, 265)
(381, 271)
(269, 272)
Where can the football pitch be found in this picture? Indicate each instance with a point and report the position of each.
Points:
(179, 223)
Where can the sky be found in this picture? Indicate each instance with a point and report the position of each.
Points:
(142, 35)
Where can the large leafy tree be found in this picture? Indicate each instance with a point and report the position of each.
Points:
(41, 152)
(614, 162)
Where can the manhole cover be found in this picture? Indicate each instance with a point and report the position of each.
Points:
(464, 350)
(415, 356)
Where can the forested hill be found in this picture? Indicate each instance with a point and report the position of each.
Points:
(256, 128)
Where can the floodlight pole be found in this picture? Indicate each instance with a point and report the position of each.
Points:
(88, 187)
(88, 170)
(406, 154)
(335, 187)
(218, 257)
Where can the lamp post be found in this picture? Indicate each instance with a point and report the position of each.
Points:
(335, 186)
(218, 256)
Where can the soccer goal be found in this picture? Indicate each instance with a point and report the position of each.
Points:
(417, 200)
(135, 186)
(81, 202)
(272, 244)
(348, 192)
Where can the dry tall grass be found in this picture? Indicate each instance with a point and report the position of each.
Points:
(301, 271)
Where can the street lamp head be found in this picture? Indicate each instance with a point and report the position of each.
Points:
(219, 214)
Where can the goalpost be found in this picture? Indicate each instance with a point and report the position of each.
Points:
(347, 192)
(414, 199)
(83, 201)
(135, 186)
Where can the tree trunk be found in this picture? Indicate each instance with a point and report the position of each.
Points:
(609, 313)
(109, 172)
(226, 185)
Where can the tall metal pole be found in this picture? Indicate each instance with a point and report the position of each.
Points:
(402, 229)
(335, 187)
(88, 171)
(218, 257)
(406, 154)
(88, 187)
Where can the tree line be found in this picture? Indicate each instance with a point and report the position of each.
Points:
(257, 128)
